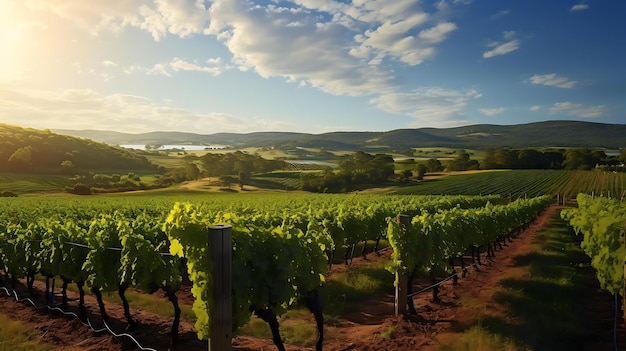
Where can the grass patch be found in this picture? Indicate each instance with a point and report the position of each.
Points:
(140, 301)
(542, 307)
(151, 303)
(24, 183)
(297, 327)
(388, 334)
(18, 336)
(345, 290)
(479, 338)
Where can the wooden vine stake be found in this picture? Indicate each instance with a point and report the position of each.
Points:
(402, 278)
(221, 315)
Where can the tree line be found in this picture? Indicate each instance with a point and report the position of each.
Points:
(571, 159)
(236, 167)
(355, 170)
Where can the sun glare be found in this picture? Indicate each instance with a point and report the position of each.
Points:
(12, 34)
(24, 40)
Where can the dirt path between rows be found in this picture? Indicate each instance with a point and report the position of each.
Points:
(373, 328)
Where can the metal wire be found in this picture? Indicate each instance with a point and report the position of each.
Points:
(87, 324)
(108, 248)
(433, 286)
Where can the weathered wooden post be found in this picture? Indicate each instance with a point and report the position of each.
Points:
(402, 278)
(221, 315)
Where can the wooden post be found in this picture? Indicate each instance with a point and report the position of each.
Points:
(402, 280)
(221, 314)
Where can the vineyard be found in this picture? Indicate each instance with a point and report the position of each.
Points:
(526, 183)
(602, 223)
(283, 246)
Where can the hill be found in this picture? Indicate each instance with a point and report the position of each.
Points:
(32, 150)
(538, 134)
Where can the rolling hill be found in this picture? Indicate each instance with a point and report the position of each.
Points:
(33, 150)
(538, 134)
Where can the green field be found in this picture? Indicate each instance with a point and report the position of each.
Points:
(32, 183)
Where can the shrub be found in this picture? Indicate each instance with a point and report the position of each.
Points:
(79, 189)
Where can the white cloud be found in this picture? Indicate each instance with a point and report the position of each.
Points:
(435, 106)
(213, 67)
(178, 64)
(578, 110)
(553, 80)
(492, 111)
(158, 69)
(87, 109)
(579, 7)
(315, 52)
(158, 17)
(535, 108)
(109, 63)
(339, 48)
(502, 48)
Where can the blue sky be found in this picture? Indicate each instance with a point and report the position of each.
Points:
(309, 65)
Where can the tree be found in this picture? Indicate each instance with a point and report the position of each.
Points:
(584, 159)
(532, 159)
(22, 157)
(228, 180)
(433, 165)
(462, 163)
(488, 161)
(192, 172)
(421, 170)
(505, 158)
(67, 165)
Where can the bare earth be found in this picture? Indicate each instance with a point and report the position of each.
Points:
(367, 330)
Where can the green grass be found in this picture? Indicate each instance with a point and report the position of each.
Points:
(479, 338)
(19, 336)
(151, 303)
(297, 327)
(141, 301)
(32, 183)
(542, 307)
(345, 291)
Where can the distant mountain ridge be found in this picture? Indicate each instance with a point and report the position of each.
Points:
(537, 134)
